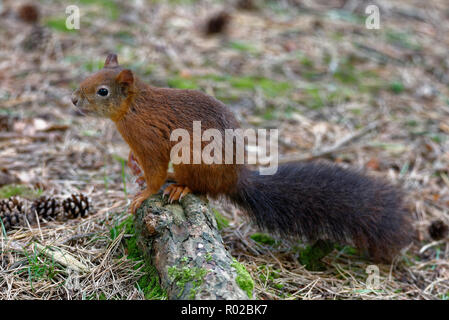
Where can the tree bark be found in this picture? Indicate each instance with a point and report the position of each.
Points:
(183, 243)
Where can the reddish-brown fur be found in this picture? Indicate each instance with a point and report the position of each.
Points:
(146, 116)
(152, 115)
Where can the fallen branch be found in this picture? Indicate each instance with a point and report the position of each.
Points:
(183, 243)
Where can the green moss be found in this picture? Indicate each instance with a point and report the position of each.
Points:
(397, 87)
(263, 238)
(184, 275)
(270, 87)
(243, 279)
(222, 222)
(273, 88)
(182, 83)
(149, 282)
(243, 83)
(58, 24)
(312, 255)
(11, 190)
(108, 7)
(93, 65)
(243, 46)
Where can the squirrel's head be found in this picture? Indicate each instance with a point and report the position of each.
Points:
(106, 93)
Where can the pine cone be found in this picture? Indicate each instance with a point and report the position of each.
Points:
(77, 205)
(438, 230)
(47, 208)
(29, 13)
(217, 23)
(12, 212)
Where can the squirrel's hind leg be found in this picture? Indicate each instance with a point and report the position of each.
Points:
(155, 176)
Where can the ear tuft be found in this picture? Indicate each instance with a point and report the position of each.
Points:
(111, 61)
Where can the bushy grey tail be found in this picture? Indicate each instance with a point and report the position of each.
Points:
(315, 201)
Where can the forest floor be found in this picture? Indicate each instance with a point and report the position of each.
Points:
(308, 68)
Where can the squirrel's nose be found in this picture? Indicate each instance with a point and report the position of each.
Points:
(74, 99)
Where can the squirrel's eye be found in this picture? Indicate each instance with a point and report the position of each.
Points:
(103, 92)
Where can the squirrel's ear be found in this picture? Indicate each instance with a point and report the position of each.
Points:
(125, 79)
(111, 61)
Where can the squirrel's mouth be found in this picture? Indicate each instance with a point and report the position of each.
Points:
(83, 111)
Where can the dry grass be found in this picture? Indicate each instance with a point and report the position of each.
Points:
(310, 70)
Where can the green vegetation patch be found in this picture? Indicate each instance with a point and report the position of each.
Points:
(183, 83)
(39, 267)
(222, 222)
(263, 238)
(149, 282)
(11, 190)
(396, 87)
(58, 24)
(243, 279)
(93, 65)
(311, 256)
(269, 87)
(108, 7)
(184, 275)
(243, 46)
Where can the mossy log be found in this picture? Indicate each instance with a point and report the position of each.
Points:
(184, 245)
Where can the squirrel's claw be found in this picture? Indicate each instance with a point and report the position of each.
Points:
(184, 192)
(176, 192)
(138, 199)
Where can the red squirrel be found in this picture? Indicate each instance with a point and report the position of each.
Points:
(311, 201)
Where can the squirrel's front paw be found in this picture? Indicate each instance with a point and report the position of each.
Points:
(176, 192)
(138, 199)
